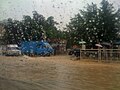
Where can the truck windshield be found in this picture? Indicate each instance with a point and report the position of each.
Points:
(47, 45)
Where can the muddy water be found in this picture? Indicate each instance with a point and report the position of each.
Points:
(89, 78)
(58, 74)
(84, 78)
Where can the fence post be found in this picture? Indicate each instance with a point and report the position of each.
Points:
(80, 54)
(111, 54)
(99, 54)
(106, 54)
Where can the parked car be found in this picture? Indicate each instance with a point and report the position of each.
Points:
(12, 50)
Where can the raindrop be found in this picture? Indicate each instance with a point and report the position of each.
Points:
(87, 28)
(84, 22)
(11, 34)
(116, 18)
(97, 23)
(90, 40)
(16, 24)
(53, 6)
(28, 22)
(94, 28)
(70, 1)
(89, 20)
(93, 20)
(9, 2)
(95, 33)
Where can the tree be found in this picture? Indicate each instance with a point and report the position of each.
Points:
(84, 26)
(2, 31)
(108, 22)
(50, 28)
(34, 28)
(11, 31)
(118, 24)
(95, 25)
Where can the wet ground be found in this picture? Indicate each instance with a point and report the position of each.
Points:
(57, 73)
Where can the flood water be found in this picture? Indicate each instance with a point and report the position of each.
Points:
(88, 78)
(84, 78)
(54, 74)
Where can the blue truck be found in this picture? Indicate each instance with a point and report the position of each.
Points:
(41, 48)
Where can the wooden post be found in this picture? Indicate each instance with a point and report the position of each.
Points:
(99, 54)
(80, 54)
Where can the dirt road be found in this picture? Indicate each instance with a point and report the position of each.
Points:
(57, 73)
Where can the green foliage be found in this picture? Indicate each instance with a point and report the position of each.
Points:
(31, 28)
(108, 17)
(95, 25)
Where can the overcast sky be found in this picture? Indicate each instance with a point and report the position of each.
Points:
(62, 10)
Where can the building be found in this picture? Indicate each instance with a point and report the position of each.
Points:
(59, 45)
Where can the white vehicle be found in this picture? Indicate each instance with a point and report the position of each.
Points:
(13, 50)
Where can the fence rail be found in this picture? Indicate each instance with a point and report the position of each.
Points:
(100, 54)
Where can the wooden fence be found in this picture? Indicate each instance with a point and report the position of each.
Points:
(100, 54)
